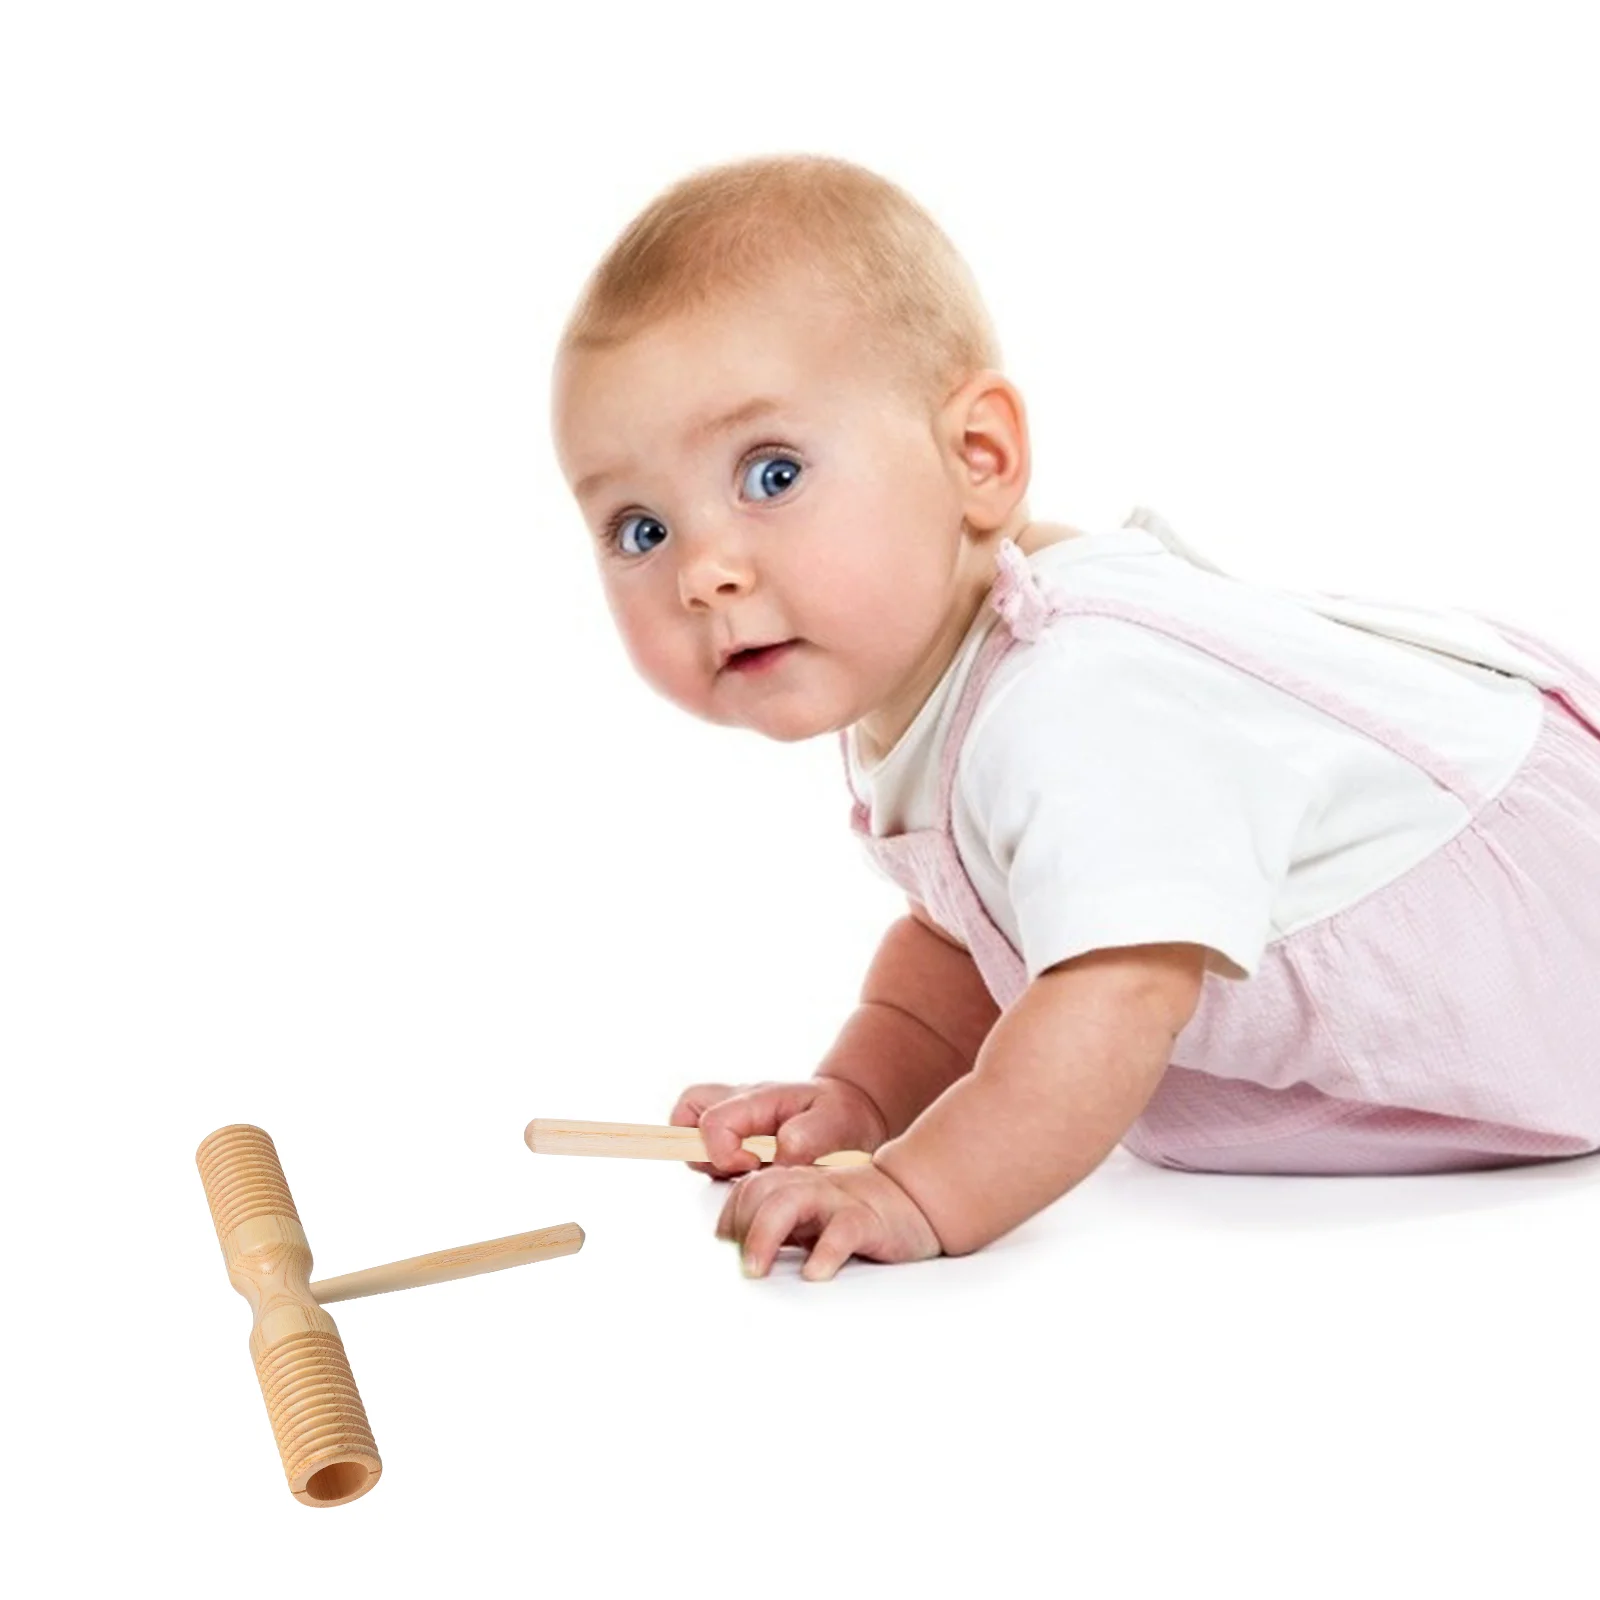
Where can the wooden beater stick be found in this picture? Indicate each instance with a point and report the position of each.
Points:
(465, 1261)
(546, 1136)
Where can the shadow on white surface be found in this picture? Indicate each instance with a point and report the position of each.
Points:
(1128, 1192)
(1261, 1202)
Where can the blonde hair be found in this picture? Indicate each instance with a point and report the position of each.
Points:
(734, 228)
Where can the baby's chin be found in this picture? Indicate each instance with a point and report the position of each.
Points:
(796, 735)
(783, 719)
(785, 725)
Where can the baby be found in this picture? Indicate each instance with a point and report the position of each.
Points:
(1242, 879)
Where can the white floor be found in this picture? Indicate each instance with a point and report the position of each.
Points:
(1239, 1386)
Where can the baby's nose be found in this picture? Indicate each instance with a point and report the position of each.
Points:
(709, 575)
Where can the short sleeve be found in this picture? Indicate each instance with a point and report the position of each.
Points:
(1123, 798)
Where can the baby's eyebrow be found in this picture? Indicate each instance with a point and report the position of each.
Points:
(710, 427)
(696, 433)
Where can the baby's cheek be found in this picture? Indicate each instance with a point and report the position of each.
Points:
(657, 660)
(887, 630)
(669, 665)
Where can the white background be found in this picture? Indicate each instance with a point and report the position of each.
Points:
(331, 804)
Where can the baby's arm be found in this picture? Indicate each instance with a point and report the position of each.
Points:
(924, 1015)
(1058, 1081)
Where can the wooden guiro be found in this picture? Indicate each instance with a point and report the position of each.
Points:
(324, 1439)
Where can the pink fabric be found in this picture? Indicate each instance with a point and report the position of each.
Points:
(1449, 1020)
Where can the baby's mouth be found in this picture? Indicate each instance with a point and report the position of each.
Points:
(758, 657)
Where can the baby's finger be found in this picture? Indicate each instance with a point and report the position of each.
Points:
(740, 1198)
(724, 1227)
(816, 1132)
(687, 1112)
(749, 1191)
(695, 1099)
(846, 1232)
(786, 1211)
(762, 1108)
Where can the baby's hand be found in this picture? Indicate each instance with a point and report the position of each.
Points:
(810, 1119)
(838, 1211)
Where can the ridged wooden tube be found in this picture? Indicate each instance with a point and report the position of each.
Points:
(328, 1452)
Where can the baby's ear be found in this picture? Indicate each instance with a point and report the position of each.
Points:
(986, 431)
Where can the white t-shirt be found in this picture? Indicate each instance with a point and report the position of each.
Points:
(1118, 786)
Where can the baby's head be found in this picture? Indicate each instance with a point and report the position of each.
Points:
(778, 407)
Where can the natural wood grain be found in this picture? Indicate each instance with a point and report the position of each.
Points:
(653, 1142)
(325, 1442)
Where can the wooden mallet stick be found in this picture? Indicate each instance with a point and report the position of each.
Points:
(324, 1439)
(444, 1266)
(546, 1136)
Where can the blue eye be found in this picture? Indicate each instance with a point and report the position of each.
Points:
(769, 476)
(647, 528)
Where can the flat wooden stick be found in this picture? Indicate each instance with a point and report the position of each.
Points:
(465, 1261)
(547, 1136)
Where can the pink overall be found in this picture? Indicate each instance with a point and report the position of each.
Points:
(1446, 1021)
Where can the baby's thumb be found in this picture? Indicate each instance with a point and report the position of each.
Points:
(810, 1134)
